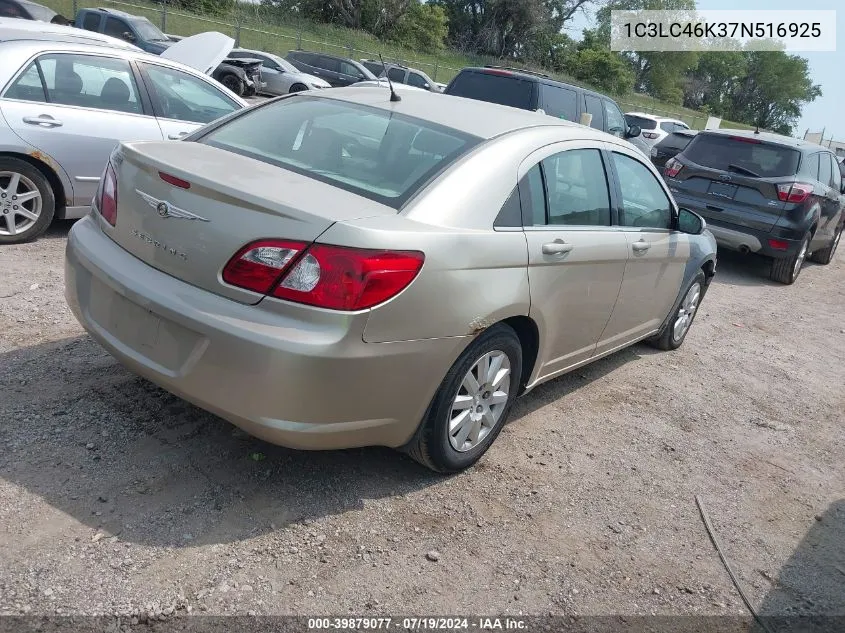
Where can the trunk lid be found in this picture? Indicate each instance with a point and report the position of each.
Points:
(202, 52)
(232, 200)
(733, 179)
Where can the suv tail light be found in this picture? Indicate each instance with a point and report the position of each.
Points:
(334, 277)
(672, 168)
(651, 134)
(794, 192)
(107, 195)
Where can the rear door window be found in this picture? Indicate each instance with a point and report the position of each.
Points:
(417, 80)
(509, 90)
(559, 102)
(396, 74)
(743, 155)
(595, 108)
(836, 177)
(327, 63)
(810, 166)
(91, 22)
(576, 188)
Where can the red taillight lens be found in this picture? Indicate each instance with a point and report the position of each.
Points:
(651, 134)
(107, 202)
(259, 265)
(672, 168)
(343, 278)
(779, 245)
(794, 192)
(334, 277)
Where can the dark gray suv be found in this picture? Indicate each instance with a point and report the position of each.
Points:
(338, 71)
(763, 193)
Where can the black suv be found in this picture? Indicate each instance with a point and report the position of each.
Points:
(535, 91)
(400, 74)
(670, 146)
(763, 193)
(338, 71)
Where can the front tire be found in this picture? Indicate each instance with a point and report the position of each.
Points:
(27, 202)
(298, 88)
(825, 255)
(786, 270)
(683, 314)
(233, 83)
(472, 403)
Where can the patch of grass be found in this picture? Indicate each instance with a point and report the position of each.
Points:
(268, 31)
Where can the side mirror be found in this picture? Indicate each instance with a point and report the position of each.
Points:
(128, 36)
(633, 131)
(690, 222)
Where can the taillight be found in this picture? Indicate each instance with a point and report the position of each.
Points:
(778, 245)
(107, 195)
(334, 277)
(258, 266)
(651, 134)
(672, 168)
(794, 192)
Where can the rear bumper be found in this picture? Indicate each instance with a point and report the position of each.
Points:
(736, 237)
(306, 383)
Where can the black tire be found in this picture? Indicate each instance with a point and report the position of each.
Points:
(233, 83)
(786, 270)
(666, 339)
(48, 200)
(431, 446)
(825, 255)
(298, 88)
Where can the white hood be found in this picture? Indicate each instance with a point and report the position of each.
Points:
(203, 51)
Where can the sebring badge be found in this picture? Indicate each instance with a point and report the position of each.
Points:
(167, 210)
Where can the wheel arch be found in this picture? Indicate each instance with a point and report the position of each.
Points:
(529, 339)
(62, 189)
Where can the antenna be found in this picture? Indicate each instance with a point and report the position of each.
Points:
(393, 96)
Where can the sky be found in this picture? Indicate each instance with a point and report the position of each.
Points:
(826, 69)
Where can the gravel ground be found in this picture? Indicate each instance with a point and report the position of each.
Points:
(118, 498)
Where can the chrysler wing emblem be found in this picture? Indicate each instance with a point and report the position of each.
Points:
(167, 210)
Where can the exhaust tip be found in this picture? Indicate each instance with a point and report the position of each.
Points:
(743, 248)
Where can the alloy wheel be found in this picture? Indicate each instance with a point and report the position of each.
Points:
(686, 312)
(481, 399)
(20, 203)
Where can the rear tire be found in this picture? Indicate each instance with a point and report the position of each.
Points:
(29, 179)
(471, 405)
(825, 255)
(675, 331)
(786, 270)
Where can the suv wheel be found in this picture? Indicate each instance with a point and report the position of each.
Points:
(471, 406)
(825, 255)
(786, 270)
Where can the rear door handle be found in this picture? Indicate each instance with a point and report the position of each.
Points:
(557, 248)
(641, 247)
(44, 119)
(176, 137)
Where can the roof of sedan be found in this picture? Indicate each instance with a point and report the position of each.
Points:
(479, 118)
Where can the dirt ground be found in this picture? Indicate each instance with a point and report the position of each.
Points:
(118, 498)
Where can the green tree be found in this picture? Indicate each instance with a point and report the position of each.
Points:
(774, 89)
(423, 27)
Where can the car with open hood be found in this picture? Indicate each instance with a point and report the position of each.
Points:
(64, 106)
(278, 75)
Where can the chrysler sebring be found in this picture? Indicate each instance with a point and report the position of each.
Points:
(340, 269)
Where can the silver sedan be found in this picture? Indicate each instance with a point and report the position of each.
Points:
(64, 106)
(279, 76)
(337, 268)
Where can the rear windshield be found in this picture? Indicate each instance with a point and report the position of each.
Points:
(746, 156)
(676, 141)
(508, 90)
(640, 122)
(375, 153)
